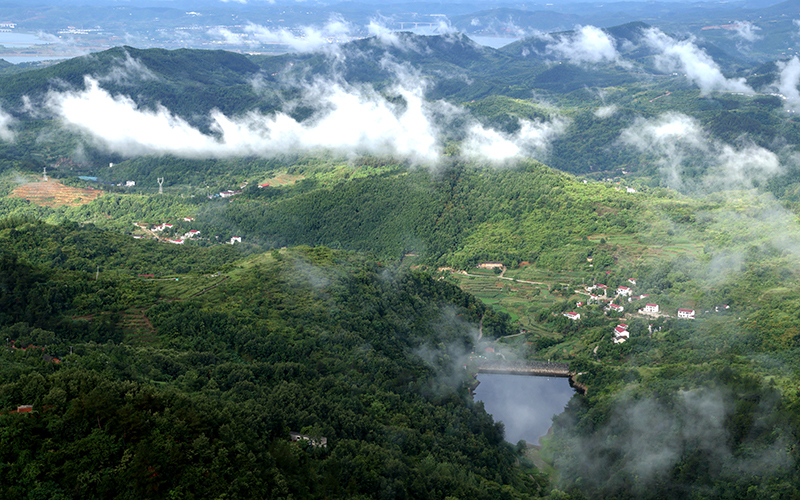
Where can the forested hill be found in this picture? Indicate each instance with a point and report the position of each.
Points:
(149, 396)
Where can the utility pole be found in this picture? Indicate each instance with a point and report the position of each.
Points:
(160, 185)
(45, 173)
(97, 275)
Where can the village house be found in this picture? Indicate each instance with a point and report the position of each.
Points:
(615, 308)
(490, 265)
(624, 291)
(686, 313)
(621, 333)
(572, 315)
(188, 219)
(632, 281)
(229, 193)
(579, 304)
(650, 308)
(177, 242)
(236, 239)
(192, 233)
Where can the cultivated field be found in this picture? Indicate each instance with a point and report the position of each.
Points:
(52, 193)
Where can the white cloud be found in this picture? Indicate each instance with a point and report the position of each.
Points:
(788, 81)
(301, 39)
(349, 120)
(686, 57)
(674, 138)
(532, 139)
(604, 112)
(128, 70)
(444, 27)
(746, 30)
(355, 120)
(588, 44)
(6, 121)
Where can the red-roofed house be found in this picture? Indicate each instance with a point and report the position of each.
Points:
(625, 291)
(572, 315)
(651, 308)
(686, 313)
(631, 281)
(615, 308)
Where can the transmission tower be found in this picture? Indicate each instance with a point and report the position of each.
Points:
(160, 185)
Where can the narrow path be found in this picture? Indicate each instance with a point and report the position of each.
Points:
(215, 285)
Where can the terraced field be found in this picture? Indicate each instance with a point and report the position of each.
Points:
(630, 246)
(185, 287)
(52, 193)
(137, 329)
(521, 301)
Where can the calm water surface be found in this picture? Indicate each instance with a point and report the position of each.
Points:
(526, 405)
(20, 40)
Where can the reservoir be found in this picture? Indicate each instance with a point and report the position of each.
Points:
(21, 40)
(526, 405)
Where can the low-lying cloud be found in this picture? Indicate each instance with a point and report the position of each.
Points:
(587, 44)
(302, 39)
(746, 31)
(532, 139)
(686, 57)
(349, 120)
(675, 138)
(6, 122)
(788, 81)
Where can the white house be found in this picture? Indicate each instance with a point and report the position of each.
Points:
(686, 313)
(624, 291)
(572, 315)
(615, 308)
(192, 233)
(632, 281)
(177, 242)
(490, 265)
(651, 308)
(236, 239)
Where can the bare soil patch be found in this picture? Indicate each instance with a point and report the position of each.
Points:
(52, 193)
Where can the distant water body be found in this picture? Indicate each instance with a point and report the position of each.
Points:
(494, 42)
(17, 40)
(525, 405)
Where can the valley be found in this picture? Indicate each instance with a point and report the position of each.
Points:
(273, 276)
